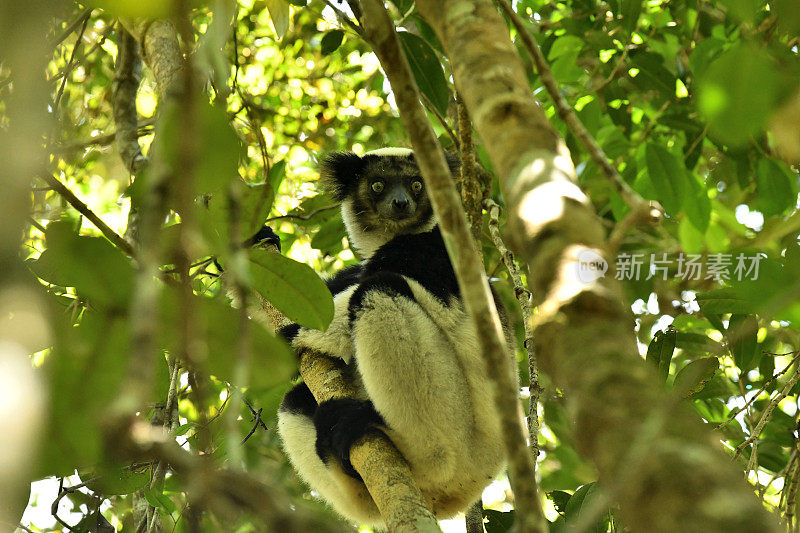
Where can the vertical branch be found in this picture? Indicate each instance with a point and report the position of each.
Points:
(472, 281)
(524, 298)
(471, 193)
(127, 78)
(159, 41)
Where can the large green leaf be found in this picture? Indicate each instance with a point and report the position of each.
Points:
(585, 498)
(667, 176)
(85, 372)
(215, 151)
(427, 70)
(742, 339)
(218, 325)
(216, 214)
(723, 301)
(696, 203)
(692, 378)
(97, 270)
(776, 186)
(292, 287)
(660, 351)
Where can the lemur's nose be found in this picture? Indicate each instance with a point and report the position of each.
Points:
(400, 204)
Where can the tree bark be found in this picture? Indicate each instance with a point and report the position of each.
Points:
(653, 455)
(472, 282)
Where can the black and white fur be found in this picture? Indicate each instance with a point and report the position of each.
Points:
(401, 330)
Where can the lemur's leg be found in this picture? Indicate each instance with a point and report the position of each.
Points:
(296, 427)
(412, 375)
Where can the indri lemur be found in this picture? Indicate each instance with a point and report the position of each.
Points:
(401, 329)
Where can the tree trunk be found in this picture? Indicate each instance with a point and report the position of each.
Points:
(653, 455)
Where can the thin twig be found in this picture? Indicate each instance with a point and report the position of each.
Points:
(69, 66)
(304, 217)
(524, 298)
(35, 223)
(765, 415)
(766, 384)
(62, 491)
(258, 422)
(83, 209)
(566, 113)
(450, 133)
(85, 14)
(344, 18)
(144, 127)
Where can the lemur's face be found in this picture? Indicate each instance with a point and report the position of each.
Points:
(391, 195)
(382, 195)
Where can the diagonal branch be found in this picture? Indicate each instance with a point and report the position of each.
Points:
(472, 281)
(83, 209)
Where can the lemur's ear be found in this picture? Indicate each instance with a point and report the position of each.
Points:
(339, 174)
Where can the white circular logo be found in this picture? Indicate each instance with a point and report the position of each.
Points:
(591, 266)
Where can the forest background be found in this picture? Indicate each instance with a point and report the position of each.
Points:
(682, 120)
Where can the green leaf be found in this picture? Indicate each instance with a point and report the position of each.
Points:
(560, 499)
(292, 287)
(279, 14)
(696, 203)
(742, 338)
(277, 173)
(220, 148)
(117, 481)
(584, 497)
(427, 70)
(738, 92)
(667, 176)
(660, 351)
(744, 10)
(183, 429)
(218, 325)
(703, 54)
(331, 41)
(567, 45)
(215, 140)
(630, 11)
(498, 521)
(84, 372)
(255, 201)
(329, 235)
(697, 342)
(722, 301)
(690, 237)
(692, 378)
(97, 270)
(776, 186)
(163, 504)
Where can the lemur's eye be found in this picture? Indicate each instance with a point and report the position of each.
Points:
(416, 186)
(377, 186)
